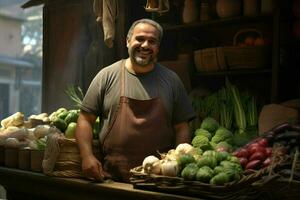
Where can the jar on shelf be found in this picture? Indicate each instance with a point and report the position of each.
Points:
(266, 7)
(190, 12)
(204, 11)
(250, 7)
(228, 8)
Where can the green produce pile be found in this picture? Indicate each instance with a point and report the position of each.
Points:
(211, 136)
(65, 120)
(213, 167)
(236, 112)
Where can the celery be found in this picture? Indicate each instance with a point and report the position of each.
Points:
(238, 109)
(226, 110)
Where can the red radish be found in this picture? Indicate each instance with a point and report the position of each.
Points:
(243, 161)
(257, 156)
(267, 162)
(256, 148)
(263, 142)
(254, 164)
(268, 151)
(241, 153)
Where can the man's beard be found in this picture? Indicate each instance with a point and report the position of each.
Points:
(137, 59)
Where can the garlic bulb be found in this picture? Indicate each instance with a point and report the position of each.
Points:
(170, 168)
(156, 168)
(171, 155)
(148, 163)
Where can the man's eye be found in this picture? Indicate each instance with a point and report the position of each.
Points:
(153, 42)
(140, 39)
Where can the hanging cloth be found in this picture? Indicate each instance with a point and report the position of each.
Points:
(106, 12)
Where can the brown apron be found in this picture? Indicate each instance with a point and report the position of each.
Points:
(139, 128)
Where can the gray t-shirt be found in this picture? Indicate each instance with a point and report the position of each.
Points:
(104, 92)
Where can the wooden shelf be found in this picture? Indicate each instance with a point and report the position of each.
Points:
(225, 21)
(234, 72)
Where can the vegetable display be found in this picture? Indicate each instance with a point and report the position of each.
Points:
(255, 155)
(235, 110)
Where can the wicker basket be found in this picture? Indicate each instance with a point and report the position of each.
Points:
(235, 56)
(284, 183)
(62, 157)
(241, 57)
(11, 157)
(24, 159)
(240, 189)
(210, 59)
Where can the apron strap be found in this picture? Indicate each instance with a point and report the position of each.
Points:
(122, 88)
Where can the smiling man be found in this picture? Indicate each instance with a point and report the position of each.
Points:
(143, 108)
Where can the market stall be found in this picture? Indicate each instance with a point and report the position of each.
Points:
(32, 185)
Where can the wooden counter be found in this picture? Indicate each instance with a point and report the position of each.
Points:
(31, 185)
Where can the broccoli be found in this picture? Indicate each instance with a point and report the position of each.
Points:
(209, 124)
(201, 142)
(203, 132)
(222, 134)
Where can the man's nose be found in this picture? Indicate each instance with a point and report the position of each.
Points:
(145, 43)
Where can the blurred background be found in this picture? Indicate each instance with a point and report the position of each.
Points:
(20, 58)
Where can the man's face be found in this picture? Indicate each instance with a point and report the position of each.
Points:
(143, 46)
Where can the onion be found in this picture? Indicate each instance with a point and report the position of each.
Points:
(184, 148)
(148, 163)
(170, 168)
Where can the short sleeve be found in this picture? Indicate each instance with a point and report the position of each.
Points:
(93, 100)
(183, 109)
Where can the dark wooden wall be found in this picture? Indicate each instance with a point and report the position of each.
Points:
(74, 50)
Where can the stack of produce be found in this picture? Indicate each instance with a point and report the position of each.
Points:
(65, 120)
(188, 162)
(16, 132)
(210, 135)
(255, 155)
(235, 111)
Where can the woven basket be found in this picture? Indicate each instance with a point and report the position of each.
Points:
(62, 157)
(210, 59)
(237, 57)
(240, 189)
(284, 183)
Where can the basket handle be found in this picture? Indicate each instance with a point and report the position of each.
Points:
(244, 31)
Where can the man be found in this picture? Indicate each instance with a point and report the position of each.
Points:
(142, 105)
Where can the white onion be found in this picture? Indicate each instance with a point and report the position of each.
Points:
(170, 168)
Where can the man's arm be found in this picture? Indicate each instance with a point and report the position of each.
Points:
(182, 132)
(91, 167)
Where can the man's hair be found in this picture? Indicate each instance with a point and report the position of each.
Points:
(146, 21)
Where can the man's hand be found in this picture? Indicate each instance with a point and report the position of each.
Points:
(183, 134)
(92, 168)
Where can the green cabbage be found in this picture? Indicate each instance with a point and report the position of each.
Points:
(201, 142)
(203, 132)
(209, 124)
